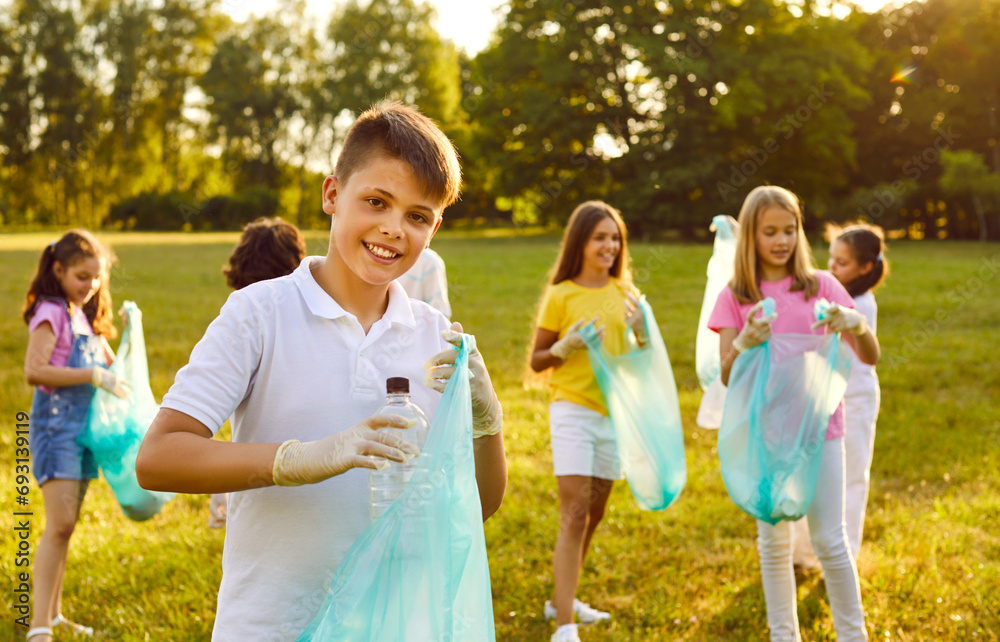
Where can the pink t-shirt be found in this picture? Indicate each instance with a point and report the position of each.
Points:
(52, 313)
(795, 316)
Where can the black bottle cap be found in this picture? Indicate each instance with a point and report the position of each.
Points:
(397, 385)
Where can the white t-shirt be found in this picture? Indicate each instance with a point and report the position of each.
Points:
(427, 281)
(287, 362)
(863, 380)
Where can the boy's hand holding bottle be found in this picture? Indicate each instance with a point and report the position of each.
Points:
(362, 446)
(487, 414)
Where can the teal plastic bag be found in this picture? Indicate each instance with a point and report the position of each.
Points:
(641, 397)
(419, 572)
(115, 427)
(781, 396)
(720, 271)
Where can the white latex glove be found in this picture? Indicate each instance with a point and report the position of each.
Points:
(633, 316)
(217, 510)
(487, 414)
(362, 446)
(106, 380)
(839, 318)
(756, 331)
(572, 340)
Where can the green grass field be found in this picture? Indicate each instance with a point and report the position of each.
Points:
(930, 565)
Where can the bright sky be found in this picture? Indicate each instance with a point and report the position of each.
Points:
(467, 23)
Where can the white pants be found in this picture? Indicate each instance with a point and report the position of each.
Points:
(829, 539)
(860, 416)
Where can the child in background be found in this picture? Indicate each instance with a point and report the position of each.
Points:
(68, 312)
(773, 260)
(427, 281)
(591, 281)
(306, 357)
(268, 248)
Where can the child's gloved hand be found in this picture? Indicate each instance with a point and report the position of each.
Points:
(106, 380)
(487, 414)
(217, 510)
(839, 318)
(362, 446)
(572, 341)
(633, 315)
(756, 331)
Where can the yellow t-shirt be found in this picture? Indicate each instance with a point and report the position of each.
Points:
(563, 305)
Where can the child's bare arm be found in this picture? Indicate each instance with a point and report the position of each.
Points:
(491, 472)
(37, 369)
(178, 454)
(727, 354)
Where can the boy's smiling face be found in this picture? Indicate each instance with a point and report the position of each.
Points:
(382, 219)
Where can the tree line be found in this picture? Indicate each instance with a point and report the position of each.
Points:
(169, 115)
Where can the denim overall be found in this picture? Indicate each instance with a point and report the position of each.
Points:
(58, 417)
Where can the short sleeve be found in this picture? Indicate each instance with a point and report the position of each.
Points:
(222, 366)
(726, 313)
(831, 290)
(552, 311)
(51, 313)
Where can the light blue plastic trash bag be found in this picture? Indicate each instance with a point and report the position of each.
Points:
(720, 272)
(116, 426)
(419, 572)
(641, 397)
(781, 396)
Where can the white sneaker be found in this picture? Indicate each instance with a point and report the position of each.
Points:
(584, 613)
(566, 633)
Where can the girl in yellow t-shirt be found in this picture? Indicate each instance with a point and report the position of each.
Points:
(591, 281)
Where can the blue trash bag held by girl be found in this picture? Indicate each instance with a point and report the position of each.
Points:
(720, 271)
(419, 572)
(115, 427)
(641, 397)
(780, 398)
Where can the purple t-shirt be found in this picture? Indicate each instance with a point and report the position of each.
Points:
(795, 316)
(52, 313)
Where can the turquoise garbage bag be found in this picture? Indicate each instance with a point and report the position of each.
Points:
(115, 427)
(641, 397)
(720, 271)
(780, 398)
(419, 572)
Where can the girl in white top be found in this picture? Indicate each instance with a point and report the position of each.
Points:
(857, 259)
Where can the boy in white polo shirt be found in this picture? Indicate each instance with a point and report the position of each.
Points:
(300, 363)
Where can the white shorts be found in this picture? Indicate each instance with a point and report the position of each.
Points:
(583, 442)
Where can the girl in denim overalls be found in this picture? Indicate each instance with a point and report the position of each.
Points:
(68, 312)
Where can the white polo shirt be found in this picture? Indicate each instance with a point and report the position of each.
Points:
(427, 281)
(287, 362)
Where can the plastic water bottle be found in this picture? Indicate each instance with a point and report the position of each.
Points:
(384, 486)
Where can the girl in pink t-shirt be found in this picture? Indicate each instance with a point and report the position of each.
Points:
(68, 312)
(773, 260)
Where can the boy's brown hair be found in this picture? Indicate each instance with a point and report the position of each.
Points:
(402, 132)
(269, 248)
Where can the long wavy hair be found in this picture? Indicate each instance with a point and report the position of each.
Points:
(73, 247)
(581, 225)
(745, 283)
(569, 263)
